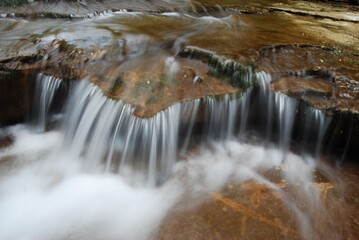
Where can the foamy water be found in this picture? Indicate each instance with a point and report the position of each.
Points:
(107, 174)
(43, 195)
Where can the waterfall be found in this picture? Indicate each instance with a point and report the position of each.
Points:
(315, 125)
(279, 113)
(286, 109)
(189, 111)
(266, 102)
(104, 153)
(226, 117)
(45, 89)
(276, 106)
(165, 124)
(220, 116)
(106, 135)
(104, 132)
(244, 110)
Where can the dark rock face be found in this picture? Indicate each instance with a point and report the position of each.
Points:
(14, 97)
(13, 2)
(342, 138)
(355, 2)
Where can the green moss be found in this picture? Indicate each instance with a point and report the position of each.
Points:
(118, 83)
(13, 3)
(236, 74)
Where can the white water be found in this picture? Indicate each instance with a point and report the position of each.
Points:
(46, 87)
(96, 177)
(105, 134)
(286, 109)
(317, 119)
(41, 198)
(313, 123)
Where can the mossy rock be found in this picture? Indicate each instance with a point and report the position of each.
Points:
(12, 3)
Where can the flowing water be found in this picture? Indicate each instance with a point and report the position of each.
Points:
(45, 90)
(104, 171)
(89, 167)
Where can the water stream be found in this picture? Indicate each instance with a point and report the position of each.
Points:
(86, 166)
(103, 170)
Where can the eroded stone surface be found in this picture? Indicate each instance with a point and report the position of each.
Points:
(253, 211)
(116, 47)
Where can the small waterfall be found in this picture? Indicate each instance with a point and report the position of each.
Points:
(226, 117)
(275, 106)
(244, 109)
(102, 139)
(104, 132)
(189, 111)
(266, 96)
(45, 89)
(315, 125)
(286, 109)
(107, 137)
(281, 114)
(219, 117)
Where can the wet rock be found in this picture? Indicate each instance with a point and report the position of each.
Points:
(5, 142)
(151, 92)
(340, 1)
(323, 77)
(254, 211)
(235, 73)
(291, 52)
(301, 87)
(13, 2)
(74, 9)
(14, 97)
(342, 137)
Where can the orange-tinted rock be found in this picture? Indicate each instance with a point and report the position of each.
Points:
(253, 211)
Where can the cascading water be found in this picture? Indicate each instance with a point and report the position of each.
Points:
(46, 87)
(108, 154)
(102, 139)
(310, 122)
(104, 132)
(266, 100)
(286, 108)
(221, 115)
(189, 111)
(313, 119)
(172, 134)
